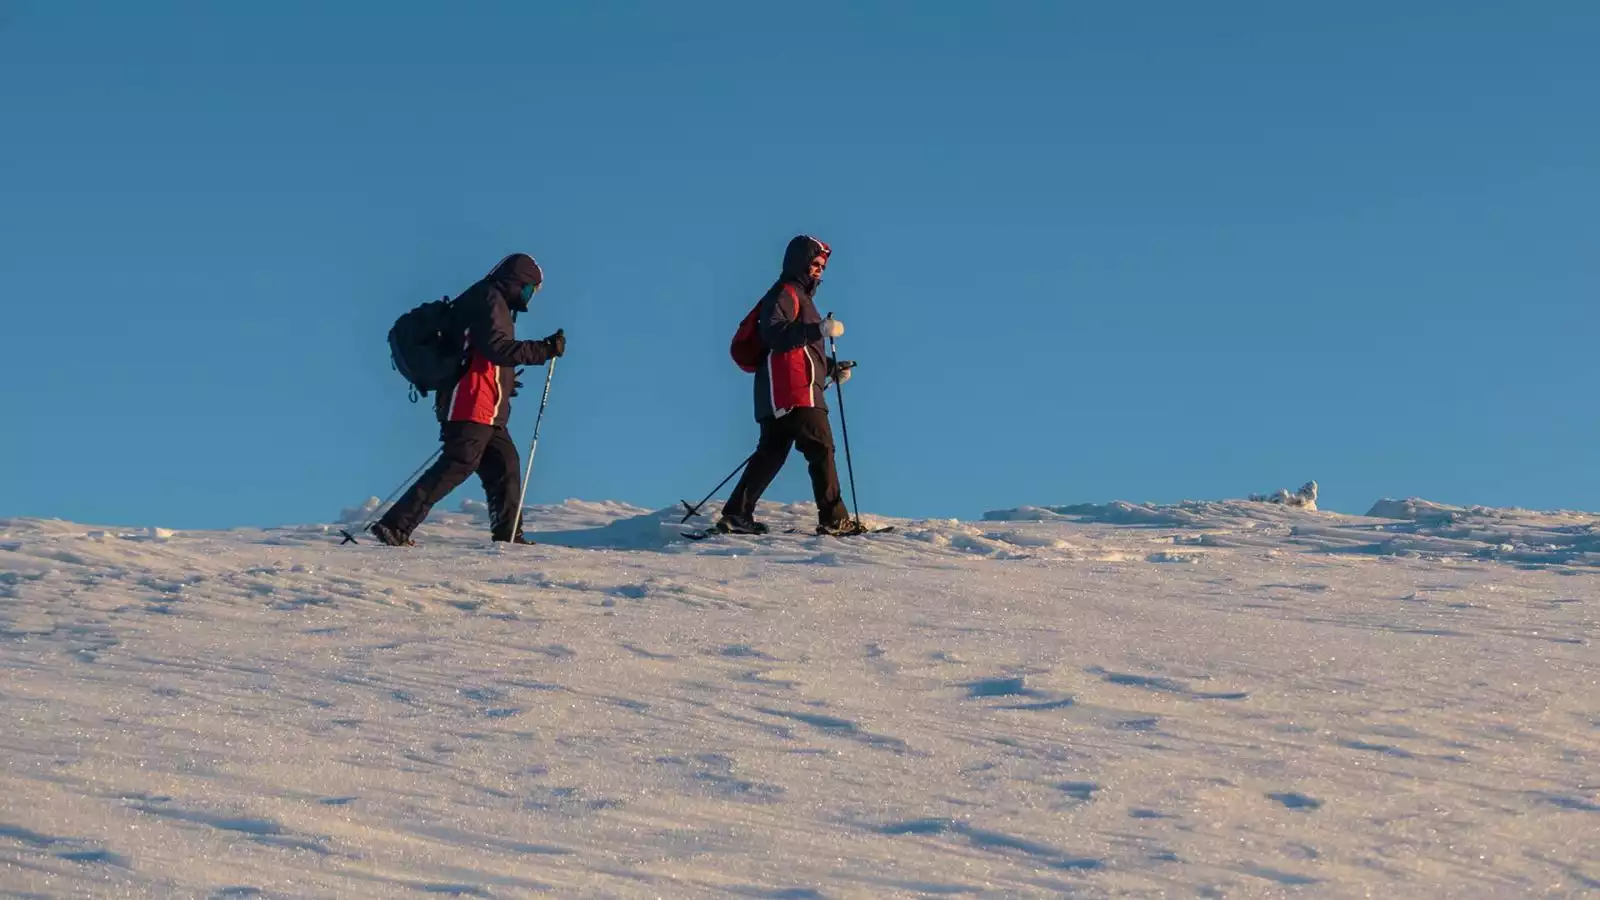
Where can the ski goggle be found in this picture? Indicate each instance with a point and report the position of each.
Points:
(528, 290)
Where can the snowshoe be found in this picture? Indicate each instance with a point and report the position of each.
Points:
(389, 536)
(729, 525)
(740, 525)
(843, 530)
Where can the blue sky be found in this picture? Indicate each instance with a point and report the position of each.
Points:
(1083, 251)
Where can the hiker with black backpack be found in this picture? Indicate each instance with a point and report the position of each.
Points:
(474, 339)
(781, 342)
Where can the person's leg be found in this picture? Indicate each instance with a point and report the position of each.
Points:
(500, 470)
(772, 451)
(813, 437)
(464, 443)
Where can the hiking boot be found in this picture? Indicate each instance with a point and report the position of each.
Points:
(519, 538)
(740, 525)
(842, 527)
(389, 536)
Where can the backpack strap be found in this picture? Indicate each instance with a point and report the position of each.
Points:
(796, 295)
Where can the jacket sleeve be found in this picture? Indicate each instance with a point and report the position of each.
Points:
(781, 328)
(492, 334)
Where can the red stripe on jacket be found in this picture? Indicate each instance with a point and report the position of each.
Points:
(791, 374)
(478, 395)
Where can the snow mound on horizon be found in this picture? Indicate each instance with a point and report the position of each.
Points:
(1507, 534)
(1413, 527)
(1186, 513)
(1183, 514)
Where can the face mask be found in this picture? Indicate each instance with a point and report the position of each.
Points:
(528, 290)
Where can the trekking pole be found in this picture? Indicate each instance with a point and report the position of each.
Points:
(550, 372)
(695, 509)
(833, 351)
(350, 538)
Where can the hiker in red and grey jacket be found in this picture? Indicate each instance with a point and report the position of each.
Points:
(473, 414)
(790, 387)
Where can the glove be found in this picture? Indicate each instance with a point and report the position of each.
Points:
(556, 344)
(839, 371)
(832, 328)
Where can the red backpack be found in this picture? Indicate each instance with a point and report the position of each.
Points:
(746, 349)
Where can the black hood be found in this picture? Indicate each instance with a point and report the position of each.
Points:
(797, 260)
(511, 274)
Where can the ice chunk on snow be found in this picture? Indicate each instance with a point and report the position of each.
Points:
(1305, 498)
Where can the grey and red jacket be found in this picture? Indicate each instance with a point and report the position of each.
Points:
(485, 312)
(795, 370)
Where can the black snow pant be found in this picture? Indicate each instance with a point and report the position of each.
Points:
(468, 448)
(810, 431)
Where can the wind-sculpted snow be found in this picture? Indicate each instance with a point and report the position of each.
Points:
(1417, 528)
(1200, 700)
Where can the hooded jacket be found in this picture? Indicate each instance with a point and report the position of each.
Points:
(796, 366)
(486, 313)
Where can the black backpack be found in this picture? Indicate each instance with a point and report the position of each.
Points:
(427, 347)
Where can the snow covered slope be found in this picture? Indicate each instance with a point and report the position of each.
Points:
(1203, 700)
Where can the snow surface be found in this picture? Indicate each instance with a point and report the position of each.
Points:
(1233, 699)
